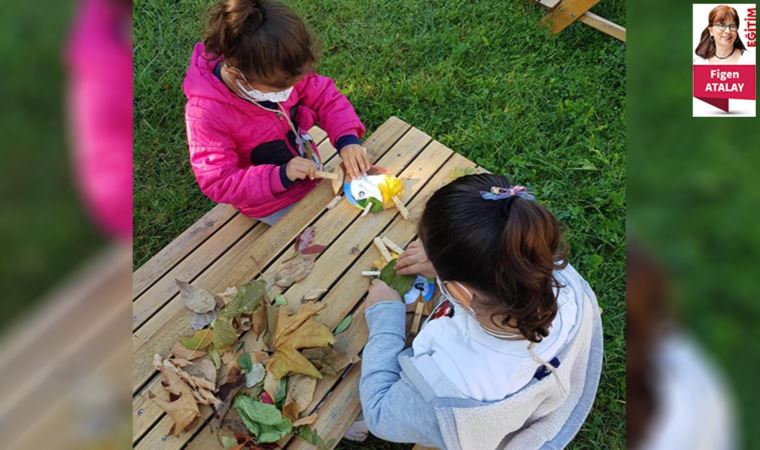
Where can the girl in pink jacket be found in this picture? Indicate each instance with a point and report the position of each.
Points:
(251, 96)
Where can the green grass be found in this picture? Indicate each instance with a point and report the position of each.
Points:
(480, 77)
(693, 197)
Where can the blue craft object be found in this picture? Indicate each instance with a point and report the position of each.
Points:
(421, 286)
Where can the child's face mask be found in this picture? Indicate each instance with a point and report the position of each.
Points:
(258, 96)
(447, 295)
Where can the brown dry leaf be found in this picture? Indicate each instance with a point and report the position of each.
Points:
(288, 360)
(228, 295)
(196, 299)
(259, 319)
(271, 384)
(183, 410)
(313, 294)
(230, 383)
(201, 388)
(181, 352)
(328, 360)
(294, 270)
(290, 412)
(300, 392)
(308, 420)
(203, 368)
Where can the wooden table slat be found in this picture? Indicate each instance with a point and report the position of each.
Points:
(393, 160)
(351, 286)
(184, 244)
(243, 261)
(206, 254)
(349, 247)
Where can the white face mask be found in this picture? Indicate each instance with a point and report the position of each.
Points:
(258, 96)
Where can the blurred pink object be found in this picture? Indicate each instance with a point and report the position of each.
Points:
(99, 59)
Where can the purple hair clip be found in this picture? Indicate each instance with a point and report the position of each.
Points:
(500, 193)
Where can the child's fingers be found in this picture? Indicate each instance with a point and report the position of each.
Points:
(351, 166)
(364, 160)
(413, 269)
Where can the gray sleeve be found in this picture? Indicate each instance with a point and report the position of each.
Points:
(393, 409)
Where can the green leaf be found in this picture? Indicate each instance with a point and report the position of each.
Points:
(245, 362)
(224, 333)
(399, 283)
(247, 299)
(228, 442)
(213, 353)
(377, 205)
(281, 393)
(343, 325)
(257, 411)
(280, 300)
(200, 340)
(273, 433)
(309, 435)
(262, 420)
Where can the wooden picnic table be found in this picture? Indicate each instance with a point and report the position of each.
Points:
(226, 248)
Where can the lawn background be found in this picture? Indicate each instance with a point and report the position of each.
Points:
(480, 77)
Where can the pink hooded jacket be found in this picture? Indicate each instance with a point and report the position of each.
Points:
(99, 62)
(226, 134)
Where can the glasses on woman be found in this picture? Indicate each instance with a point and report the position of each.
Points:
(723, 26)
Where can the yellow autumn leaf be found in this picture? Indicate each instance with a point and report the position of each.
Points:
(310, 334)
(288, 324)
(289, 360)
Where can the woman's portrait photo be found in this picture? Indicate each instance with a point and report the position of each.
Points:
(720, 40)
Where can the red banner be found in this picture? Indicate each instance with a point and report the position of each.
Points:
(716, 84)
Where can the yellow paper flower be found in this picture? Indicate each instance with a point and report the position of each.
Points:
(390, 187)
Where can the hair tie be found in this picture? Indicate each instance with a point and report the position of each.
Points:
(501, 193)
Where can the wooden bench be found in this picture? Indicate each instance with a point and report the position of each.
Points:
(225, 249)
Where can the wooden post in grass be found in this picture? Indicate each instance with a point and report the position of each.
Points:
(562, 13)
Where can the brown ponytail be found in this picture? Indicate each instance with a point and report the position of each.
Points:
(531, 249)
(263, 39)
(506, 249)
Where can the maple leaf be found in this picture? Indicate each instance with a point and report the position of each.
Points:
(288, 360)
(293, 332)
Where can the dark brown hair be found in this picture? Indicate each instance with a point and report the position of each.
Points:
(706, 47)
(264, 40)
(507, 250)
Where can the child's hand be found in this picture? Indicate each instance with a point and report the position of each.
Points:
(379, 292)
(355, 159)
(414, 261)
(300, 168)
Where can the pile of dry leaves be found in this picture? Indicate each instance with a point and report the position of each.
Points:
(252, 361)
